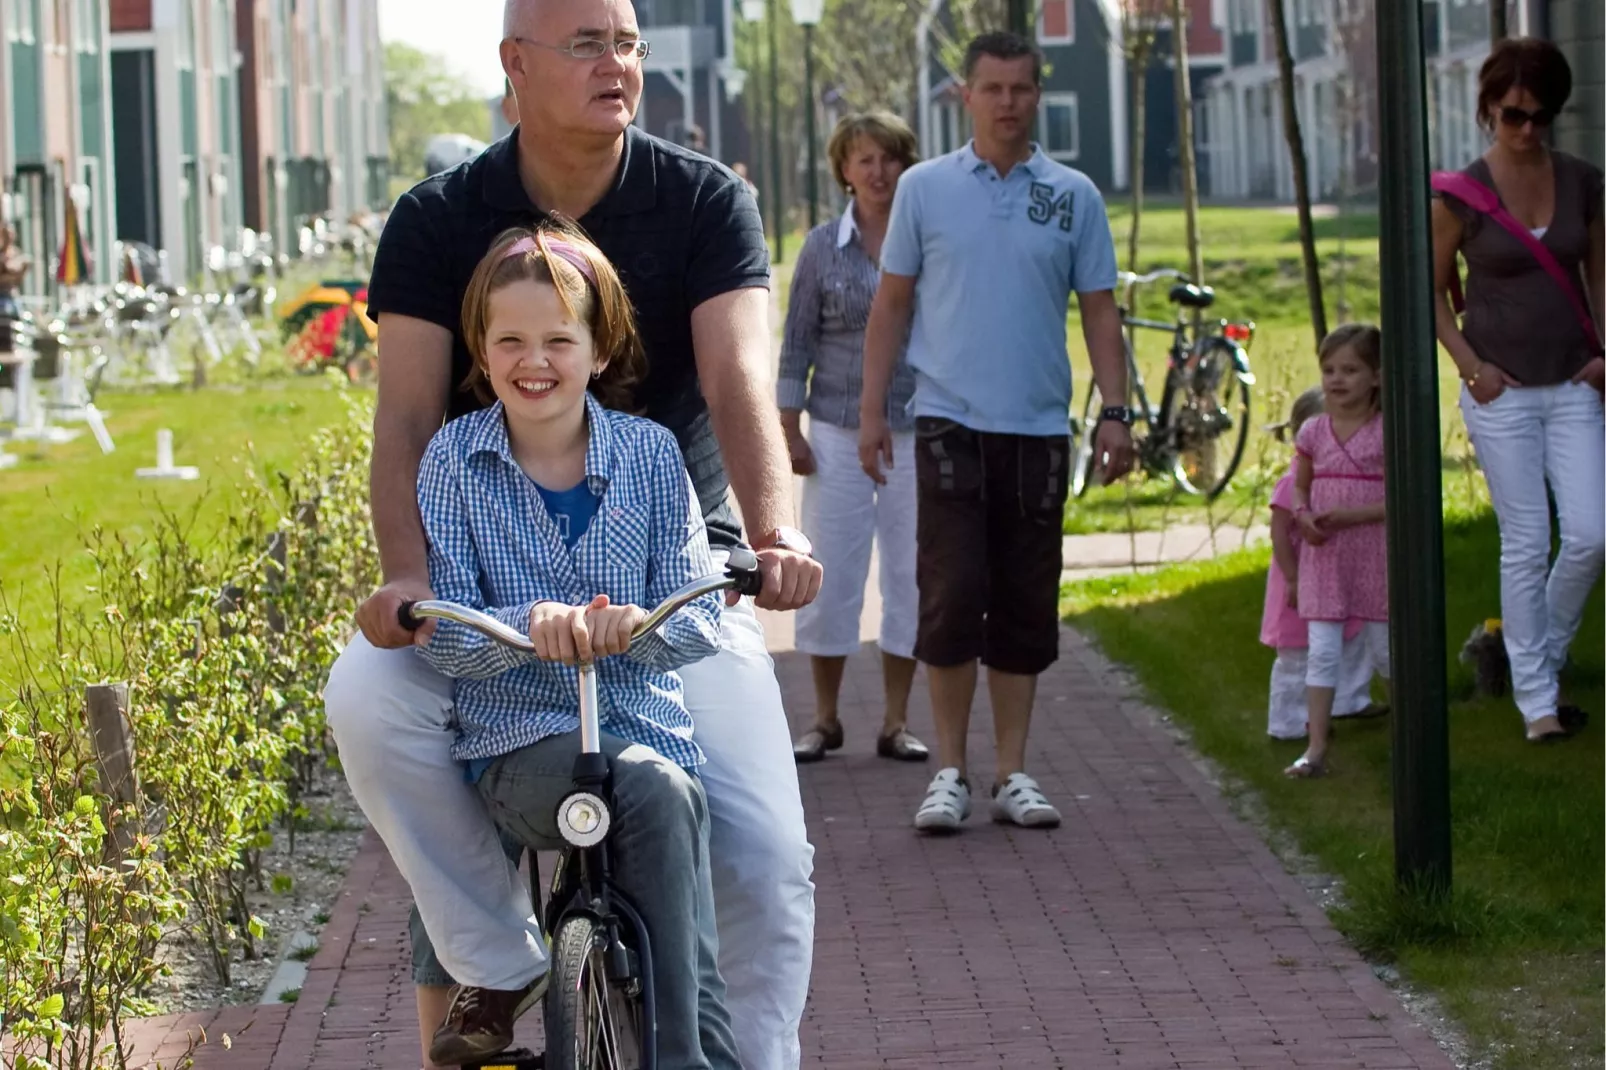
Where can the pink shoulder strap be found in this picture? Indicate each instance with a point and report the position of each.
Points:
(1481, 198)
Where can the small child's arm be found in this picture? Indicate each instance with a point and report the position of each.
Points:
(677, 554)
(1283, 553)
(456, 650)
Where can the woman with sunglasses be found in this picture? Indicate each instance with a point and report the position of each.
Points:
(1527, 221)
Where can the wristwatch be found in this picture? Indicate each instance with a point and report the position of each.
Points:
(1118, 414)
(785, 538)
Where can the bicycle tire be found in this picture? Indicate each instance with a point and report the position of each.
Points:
(591, 1024)
(1085, 461)
(1207, 477)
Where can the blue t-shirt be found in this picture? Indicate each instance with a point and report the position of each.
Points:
(571, 510)
(996, 259)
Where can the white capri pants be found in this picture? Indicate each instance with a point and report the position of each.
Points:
(1289, 707)
(391, 714)
(1529, 438)
(844, 513)
(1325, 664)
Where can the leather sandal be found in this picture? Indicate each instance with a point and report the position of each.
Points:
(900, 746)
(812, 745)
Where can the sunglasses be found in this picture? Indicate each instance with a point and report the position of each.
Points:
(1520, 117)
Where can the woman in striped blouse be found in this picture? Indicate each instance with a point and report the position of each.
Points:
(844, 512)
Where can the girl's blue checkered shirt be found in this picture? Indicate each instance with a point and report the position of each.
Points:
(493, 546)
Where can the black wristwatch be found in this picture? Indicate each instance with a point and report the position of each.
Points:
(1119, 414)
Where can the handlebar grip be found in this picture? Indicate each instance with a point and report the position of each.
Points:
(405, 617)
(742, 568)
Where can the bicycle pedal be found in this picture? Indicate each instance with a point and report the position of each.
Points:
(512, 1059)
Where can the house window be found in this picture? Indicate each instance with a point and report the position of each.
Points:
(20, 23)
(1059, 126)
(1056, 22)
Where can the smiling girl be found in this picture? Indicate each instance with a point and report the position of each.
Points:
(1338, 504)
(562, 518)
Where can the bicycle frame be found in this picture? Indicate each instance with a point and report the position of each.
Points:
(582, 880)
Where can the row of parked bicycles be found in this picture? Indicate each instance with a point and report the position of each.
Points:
(57, 355)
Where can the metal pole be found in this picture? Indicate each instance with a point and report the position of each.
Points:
(1018, 15)
(778, 208)
(808, 125)
(1412, 463)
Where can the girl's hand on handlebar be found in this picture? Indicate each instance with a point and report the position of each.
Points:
(611, 626)
(560, 632)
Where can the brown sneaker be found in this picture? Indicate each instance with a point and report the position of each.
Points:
(479, 1022)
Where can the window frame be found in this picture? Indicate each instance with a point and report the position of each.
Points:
(1070, 23)
(1062, 99)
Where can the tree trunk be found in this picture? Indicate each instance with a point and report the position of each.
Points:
(1140, 99)
(1190, 177)
(1497, 21)
(1296, 156)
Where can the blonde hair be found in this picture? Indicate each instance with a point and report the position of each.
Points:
(1307, 405)
(603, 306)
(888, 131)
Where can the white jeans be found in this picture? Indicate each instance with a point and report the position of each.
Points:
(1288, 707)
(1526, 439)
(1325, 662)
(391, 715)
(844, 512)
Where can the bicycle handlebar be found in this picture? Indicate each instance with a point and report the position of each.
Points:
(741, 574)
(1127, 278)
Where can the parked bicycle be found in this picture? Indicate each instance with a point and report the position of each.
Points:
(1197, 433)
(599, 1004)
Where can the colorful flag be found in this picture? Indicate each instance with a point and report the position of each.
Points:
(72, 268)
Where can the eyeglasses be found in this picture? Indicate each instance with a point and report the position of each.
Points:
(589, 48)
(1519, 117)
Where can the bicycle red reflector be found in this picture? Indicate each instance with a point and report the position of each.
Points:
(1238, 332)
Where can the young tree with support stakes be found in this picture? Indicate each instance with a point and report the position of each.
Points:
(1186, 157)
(1296, 156)
(1140, 25)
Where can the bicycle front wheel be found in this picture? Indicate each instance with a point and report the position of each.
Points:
(591, 1023)
(1209, 418)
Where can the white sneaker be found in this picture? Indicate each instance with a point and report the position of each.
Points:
(947, 803)
(1019, 801)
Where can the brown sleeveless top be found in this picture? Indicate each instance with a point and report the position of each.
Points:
(1517, 317)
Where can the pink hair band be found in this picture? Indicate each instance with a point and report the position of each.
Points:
(558, 247)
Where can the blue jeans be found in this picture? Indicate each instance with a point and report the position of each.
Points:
(659, 847)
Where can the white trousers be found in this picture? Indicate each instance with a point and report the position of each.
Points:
(844, 513)
(1526, 439)
(391, 715)
(1324, 666)
(1288, 709)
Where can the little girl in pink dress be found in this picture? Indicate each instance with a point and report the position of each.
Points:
(1281, 626)
(1338, 503)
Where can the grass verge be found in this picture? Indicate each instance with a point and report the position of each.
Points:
(1515, 954)
(57, 491)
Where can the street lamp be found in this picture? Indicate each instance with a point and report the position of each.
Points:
(806, 13)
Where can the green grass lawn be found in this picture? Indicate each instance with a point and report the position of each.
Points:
(1516, 955)
(57, 491)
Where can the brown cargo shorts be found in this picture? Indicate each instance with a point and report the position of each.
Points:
(991, 513)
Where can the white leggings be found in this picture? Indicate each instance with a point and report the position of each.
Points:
(1322, 669)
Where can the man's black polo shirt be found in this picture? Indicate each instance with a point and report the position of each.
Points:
(678, 227)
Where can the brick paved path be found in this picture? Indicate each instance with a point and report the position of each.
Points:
(1153, 930)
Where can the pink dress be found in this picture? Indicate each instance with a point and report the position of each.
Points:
(1347, 576)
(1281, 626)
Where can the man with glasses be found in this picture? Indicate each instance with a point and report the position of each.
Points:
(686, 238)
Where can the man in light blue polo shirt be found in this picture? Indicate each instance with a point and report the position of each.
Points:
(984, 249)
